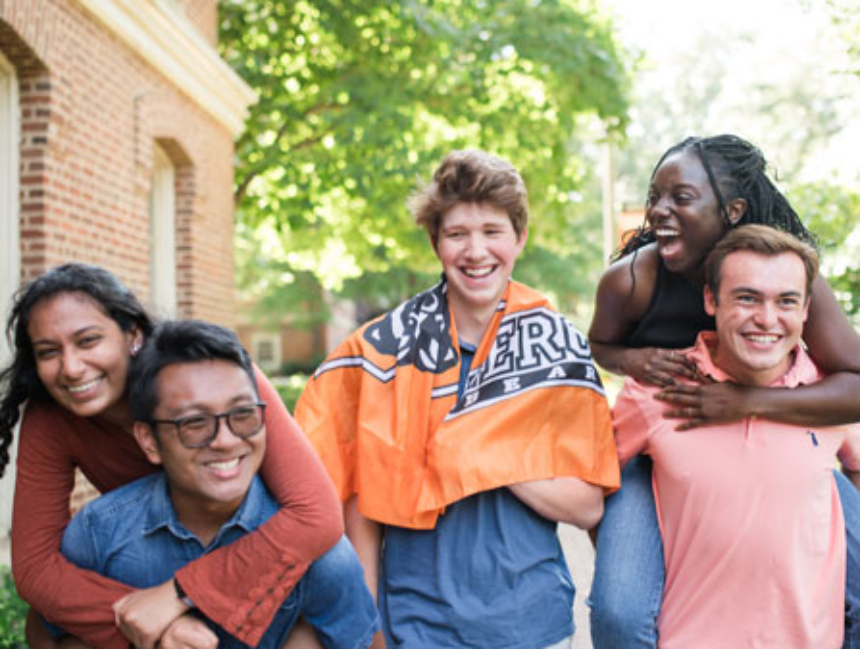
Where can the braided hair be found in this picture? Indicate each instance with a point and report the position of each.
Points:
(19, 381)
(736, 169)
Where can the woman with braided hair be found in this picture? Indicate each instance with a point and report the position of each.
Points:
(649, 305)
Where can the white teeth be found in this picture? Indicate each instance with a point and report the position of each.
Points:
(83, 387)
(664, 232)
(762, 338)
(224, 465)
(477, 273)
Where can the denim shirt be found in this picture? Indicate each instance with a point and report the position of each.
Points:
(134, 535)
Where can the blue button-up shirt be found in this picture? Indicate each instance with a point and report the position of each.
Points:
(133, 535)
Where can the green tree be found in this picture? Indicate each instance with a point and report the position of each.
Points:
(359, 98)
(830, 211)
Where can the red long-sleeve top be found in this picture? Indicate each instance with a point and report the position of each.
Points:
(239, 586)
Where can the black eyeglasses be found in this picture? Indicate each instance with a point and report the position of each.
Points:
(198, 431)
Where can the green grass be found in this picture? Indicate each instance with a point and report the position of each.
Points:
(13, 613)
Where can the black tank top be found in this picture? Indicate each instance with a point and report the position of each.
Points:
(675, 315)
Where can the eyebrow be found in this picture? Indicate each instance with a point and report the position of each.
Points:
(202, 408)
(755, 291)
(78, 332)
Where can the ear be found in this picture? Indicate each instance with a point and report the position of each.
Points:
(806, 308)
(434, 242)
(736, 210)
(523, 237)
(135, 341)
(710, 302)
(147, 441)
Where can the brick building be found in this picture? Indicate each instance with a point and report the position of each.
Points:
(117, 123)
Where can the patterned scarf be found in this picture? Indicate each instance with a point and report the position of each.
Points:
(383, 414)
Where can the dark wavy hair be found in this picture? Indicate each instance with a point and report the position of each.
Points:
(19, 380)
(181, 341)
(736, 169)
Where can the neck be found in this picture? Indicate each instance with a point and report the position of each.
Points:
(696, 275)
(118, 415)
(745, 375)
(203, 519)
(470, 325)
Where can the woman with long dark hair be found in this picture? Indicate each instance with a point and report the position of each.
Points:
(74, 331)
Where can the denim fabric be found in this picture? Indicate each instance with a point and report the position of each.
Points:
(850, 499)
(133, 535)
(490, 574)
(629, 573)
(629, 568)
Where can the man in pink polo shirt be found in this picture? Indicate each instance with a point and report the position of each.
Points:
(752, 527)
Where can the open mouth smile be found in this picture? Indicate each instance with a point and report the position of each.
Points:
(764, 339)
(83, 387)
(478, 273)
(224, 465)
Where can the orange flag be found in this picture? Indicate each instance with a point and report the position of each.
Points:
(383, 414)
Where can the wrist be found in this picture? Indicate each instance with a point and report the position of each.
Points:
(181, 595)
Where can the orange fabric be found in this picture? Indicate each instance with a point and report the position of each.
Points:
(383, 414)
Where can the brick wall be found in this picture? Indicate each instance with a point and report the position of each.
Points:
(91, 112)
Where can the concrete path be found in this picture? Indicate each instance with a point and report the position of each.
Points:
(580, 560)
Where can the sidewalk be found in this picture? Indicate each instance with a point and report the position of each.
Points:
(580, 560)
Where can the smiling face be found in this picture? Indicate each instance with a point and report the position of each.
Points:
(684, 213)
(478, 248)
(81, 355)
(760, 311)
(217, 477)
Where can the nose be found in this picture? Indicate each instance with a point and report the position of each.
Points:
(766, 314)
(656, 209)
(475, 246)
(73, 367)
(224, 437)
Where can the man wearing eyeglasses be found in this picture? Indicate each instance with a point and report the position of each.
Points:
(198, 414)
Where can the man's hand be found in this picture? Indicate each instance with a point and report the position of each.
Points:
(187, 632)
(706, 403)
(144, 615)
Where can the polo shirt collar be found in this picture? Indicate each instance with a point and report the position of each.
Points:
(801, 372)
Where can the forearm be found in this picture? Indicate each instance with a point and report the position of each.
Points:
(366, 537)
(564, 500)
(610, 357)
(829, 402)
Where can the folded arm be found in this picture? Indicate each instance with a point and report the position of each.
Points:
(564, 500)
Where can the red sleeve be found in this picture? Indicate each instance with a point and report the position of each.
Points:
(77, 600)
(241, 586)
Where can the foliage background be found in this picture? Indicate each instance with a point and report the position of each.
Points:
(359, 100)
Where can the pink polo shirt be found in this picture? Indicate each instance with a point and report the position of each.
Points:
(752, 526)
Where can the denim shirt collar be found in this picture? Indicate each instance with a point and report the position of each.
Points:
(160, 513)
